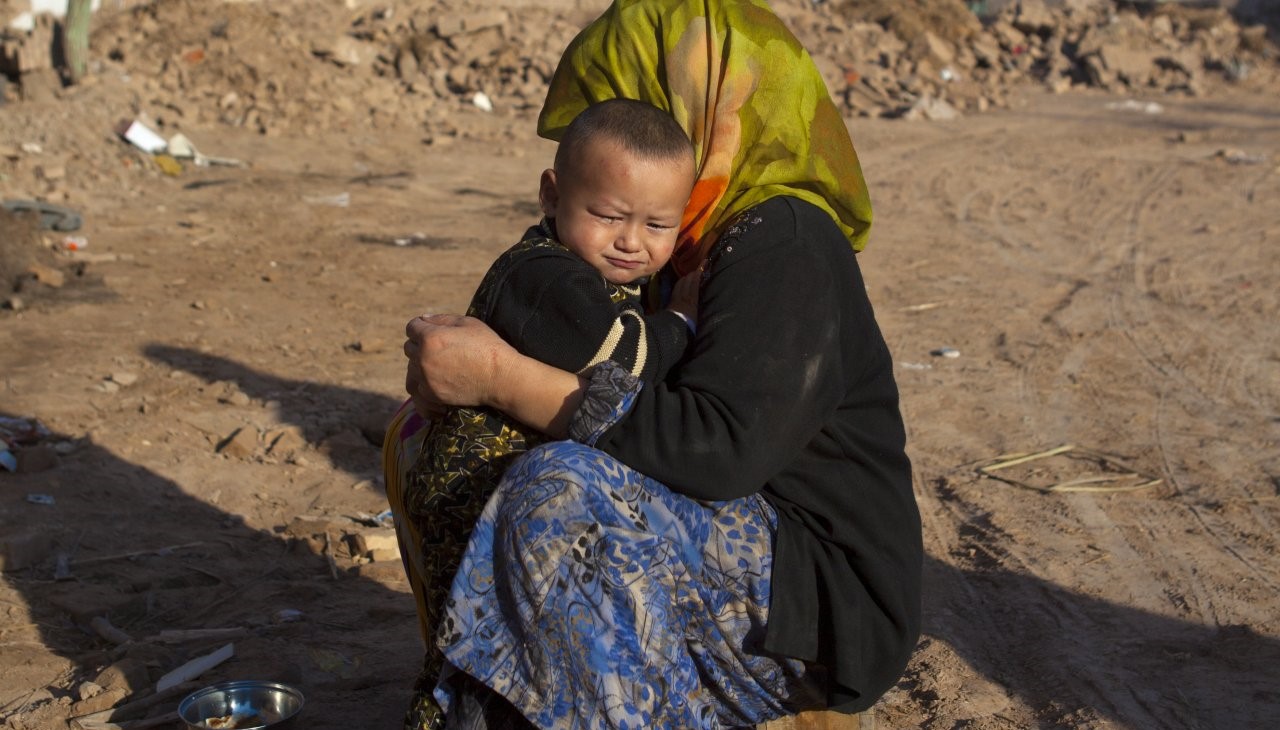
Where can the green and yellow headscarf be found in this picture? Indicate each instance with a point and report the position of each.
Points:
(746, 91)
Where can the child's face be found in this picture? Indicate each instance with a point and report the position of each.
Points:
(619, 212)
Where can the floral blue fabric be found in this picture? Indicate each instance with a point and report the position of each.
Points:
(592, 596)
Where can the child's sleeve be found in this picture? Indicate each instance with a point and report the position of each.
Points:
(556, 308)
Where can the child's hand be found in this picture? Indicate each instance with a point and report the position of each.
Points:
(684, 296)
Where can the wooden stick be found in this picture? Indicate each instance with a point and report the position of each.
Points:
(177, 636)
(195, 667)
(1024, 458)
(101, 626)
(134, 554)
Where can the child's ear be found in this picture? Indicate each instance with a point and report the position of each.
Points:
(548, 195)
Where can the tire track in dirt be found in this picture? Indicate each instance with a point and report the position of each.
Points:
(1168, 362)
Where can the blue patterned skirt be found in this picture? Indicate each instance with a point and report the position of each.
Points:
(591, 596)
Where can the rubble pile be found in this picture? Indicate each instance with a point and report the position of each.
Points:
(306, 67)
(896, 60)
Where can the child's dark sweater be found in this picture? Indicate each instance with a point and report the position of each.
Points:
(553, 306)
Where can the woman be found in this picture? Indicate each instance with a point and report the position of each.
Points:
(737, 543)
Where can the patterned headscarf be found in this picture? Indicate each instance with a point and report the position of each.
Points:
(746, 91)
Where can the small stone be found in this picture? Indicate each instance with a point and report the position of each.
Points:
(369, 346)
(88, 689)
(241, 444)
(47, 275)
(127, 674)
(109, 386)
(24, 549)
(15, 303)
(102, 700)
(237, 398)
(124, 379)
(284, 441)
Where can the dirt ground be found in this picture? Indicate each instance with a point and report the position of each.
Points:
(215, 369)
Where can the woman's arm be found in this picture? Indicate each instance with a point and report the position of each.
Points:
(460, 361)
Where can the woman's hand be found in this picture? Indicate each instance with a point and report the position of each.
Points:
(684, 295)
(453, 361)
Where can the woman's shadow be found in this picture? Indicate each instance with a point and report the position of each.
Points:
(113, 544)
(1075, 659)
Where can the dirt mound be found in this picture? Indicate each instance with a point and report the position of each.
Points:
(311, 67)
(948, 19)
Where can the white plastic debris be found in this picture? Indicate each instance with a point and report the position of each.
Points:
(143, 137)
(482, 102)
(1132, 105)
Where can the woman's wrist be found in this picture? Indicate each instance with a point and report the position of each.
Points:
(538, 395)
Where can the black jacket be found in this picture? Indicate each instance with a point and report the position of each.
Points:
(788, 389)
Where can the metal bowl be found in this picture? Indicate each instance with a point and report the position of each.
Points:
(241, 705)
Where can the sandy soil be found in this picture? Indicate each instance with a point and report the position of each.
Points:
(1107, 277)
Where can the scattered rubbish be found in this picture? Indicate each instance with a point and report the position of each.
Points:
(436, 243)
(182, 148)
(168, 164)
(32, 148)
(43, 499)
(915, 366)
(921, 307)
(341, 200)
(950, 352)
(22, 431)
(410, 240)
(52, 217)
(1118, 477)
(1132, 105)
(141, 136)
(947, 74)
(23, 449)
(1239, 157)
(75, 243)
(287, 616)
(482, 102)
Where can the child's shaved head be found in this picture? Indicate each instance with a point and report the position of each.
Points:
(642, 129)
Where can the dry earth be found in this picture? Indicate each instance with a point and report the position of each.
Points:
(213, 369)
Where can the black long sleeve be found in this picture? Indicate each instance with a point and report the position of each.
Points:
(788, 390)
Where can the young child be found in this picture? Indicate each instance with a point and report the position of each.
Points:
(567, 294)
